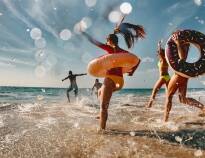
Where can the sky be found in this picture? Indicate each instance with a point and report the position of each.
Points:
(40, 41)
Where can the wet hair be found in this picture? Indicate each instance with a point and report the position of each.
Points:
(130, 32)
(70, 72)
(113, 38)
(96, 80)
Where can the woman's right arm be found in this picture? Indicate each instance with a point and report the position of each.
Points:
(97, 43)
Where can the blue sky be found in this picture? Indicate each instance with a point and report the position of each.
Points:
(32, 58)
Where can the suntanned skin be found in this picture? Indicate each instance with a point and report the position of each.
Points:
(97, 85)
(179, 83)
(73, 83)
(163, 70)
(108, 87)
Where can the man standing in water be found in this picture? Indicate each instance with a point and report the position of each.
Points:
(97, 85)
(73, 84)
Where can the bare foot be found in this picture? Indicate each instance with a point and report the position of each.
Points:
(101, 131)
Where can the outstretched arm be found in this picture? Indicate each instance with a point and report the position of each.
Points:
(65, 79)
(81, 74)
(97, 43)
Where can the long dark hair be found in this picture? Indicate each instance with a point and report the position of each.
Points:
(130, 33)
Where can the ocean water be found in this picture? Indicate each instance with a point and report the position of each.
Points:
(39, 122)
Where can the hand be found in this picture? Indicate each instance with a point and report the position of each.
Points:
(116, 30)
(159, 44)
(175, 38)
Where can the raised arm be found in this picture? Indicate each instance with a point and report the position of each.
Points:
(97, 43)
(181, 52)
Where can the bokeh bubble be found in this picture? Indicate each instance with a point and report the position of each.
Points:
(35, 33)
(90, 3)
(40, 71)
(40, 55)
(40, 43)
(65, 34)
(87, 21)
(126, 8)
(114, 16)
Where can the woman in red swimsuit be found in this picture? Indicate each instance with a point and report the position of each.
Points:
(114, 80)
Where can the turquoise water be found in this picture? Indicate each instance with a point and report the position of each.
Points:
(32, 94)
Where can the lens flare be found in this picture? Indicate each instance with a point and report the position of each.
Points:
(35, 33)
(126, 8)
(40, 43)
(65, 34)
(114, 16)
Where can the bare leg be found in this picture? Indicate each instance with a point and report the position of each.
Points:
(172, 87)
(106, 93)
(188, 101)
(76, 92)
(70, 89)
(156, 88)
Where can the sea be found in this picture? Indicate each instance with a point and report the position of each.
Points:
(40, 122)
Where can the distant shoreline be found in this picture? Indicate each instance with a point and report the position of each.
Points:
(86, 88)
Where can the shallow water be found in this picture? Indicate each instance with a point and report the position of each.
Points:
(45, 125)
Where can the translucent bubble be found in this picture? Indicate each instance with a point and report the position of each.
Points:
(50, 62)
(27, 30)
(114, 16)
(35, 33)
(201, 21)
(90, 3)
(126, 8)
(87, 21)
(40, 71)
(65, 34)
(198, 2)
(40, 55)
(86, 58)
(170, 24)
(40, 43)
(198, 153)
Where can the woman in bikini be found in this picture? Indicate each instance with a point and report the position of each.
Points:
(179, 83)
(164, 74)
(114, 78)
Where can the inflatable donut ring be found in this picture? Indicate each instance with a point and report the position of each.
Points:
(99, 66)
(182, 67)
